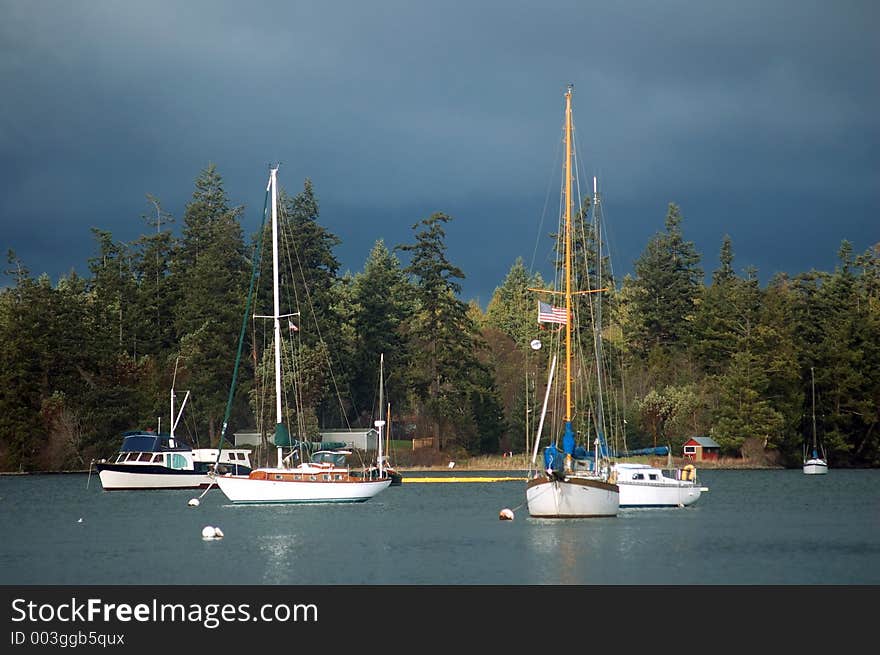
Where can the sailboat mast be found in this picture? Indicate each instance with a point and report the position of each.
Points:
(813, 382)
(276, 308)
(381, 421)
(568, 408)
(600, 409)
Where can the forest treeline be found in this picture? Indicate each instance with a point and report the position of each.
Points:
(718, 355)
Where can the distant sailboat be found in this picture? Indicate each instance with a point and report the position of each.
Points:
(815, 461)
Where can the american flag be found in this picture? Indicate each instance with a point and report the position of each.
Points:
(549, 314)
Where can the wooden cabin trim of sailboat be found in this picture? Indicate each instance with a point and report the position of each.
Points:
(584, 482)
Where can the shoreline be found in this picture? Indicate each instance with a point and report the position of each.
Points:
(440, 469)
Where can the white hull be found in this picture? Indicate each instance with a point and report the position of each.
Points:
(573, 497)
(119, 480)
(241, 489)
(642, 485)
(815, 467)
(658, 494)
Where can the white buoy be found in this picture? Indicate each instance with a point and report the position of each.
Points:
(209, 532)
(194, 502)
(80, 520)
(505, 514)
(452, 465)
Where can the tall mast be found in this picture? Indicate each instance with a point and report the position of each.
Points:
(381, 421)
(813, 381)
(276, 304)
(568, 408)
(600, 411)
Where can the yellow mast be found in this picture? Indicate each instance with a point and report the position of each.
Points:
(568, 410)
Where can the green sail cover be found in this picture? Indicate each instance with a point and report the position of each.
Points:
(282, 436)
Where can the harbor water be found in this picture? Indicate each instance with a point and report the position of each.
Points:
(753, 527)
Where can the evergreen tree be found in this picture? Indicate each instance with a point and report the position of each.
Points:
(666, 286)
(155, 291)
(716, 320)
(211, 276)
(442, 336)
(381, 309)
(513, 308)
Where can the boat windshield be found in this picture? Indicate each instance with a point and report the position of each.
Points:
(336, 458)
(150, 442)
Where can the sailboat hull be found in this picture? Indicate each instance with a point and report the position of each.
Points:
(242, 490)
(571, 497)
(815, 467)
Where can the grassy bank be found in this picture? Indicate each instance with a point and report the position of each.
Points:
(522, 461)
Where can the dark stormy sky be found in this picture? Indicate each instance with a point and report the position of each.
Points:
(759, 118)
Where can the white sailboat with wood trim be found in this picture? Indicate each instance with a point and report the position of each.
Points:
(326, 477)
(570, 485)
(815, 462)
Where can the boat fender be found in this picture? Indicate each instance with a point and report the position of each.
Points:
(612, 479)
(505, 514)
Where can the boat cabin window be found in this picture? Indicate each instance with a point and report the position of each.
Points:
(120, 458)
(638, 476)
(145, 457)
(132, 457)
(326, 476)
(325, 457)
(278, 476)
(158, 457)
(339, 476)
(652, 476)
(175, 461)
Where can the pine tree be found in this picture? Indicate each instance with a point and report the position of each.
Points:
(211, 276)
(381, 307)
(442, 336)
(666, 286)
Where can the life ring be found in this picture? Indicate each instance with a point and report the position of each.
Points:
(688, 472)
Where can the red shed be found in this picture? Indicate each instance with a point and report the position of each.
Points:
(701, 449)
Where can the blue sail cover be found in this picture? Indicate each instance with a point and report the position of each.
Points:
(568, 439)
(659, 450)
(582, 453)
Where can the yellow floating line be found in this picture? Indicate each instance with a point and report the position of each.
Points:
(468, 479)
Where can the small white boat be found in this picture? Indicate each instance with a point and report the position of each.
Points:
(147, 460)
(642, 485)
(151, 460)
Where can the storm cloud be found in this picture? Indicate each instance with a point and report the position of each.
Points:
(759, 119)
